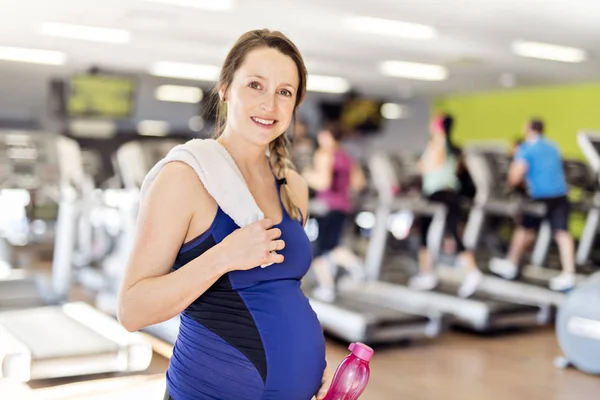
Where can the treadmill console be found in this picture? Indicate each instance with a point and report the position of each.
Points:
(488, 165)
(156, 150)
(578, 174)
(27, 160)
(589, 143)
(146, 154)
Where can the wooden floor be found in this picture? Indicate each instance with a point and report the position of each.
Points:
(468, 367)
(457, 366)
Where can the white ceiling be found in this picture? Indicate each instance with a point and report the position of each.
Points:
(473, 43)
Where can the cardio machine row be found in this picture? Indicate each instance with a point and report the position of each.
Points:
(362, 301)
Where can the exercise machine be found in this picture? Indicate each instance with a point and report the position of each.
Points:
(481, 312)
(589, 143)
(578, 319)
(357, 315)
(60, 338)
(578, 327)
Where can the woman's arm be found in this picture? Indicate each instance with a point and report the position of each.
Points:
(436, 157)
(357, 178)
(150, 293)
(319, 176)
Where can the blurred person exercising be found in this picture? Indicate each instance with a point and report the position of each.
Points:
(335, 177)
(538, 163)
(303, 147)
(246, 333)
(440, 184)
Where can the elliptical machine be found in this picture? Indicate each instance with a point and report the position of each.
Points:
(578, 319)
(578, 327)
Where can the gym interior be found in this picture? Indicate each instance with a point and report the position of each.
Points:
(94, 95)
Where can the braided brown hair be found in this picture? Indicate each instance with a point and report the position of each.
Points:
(278, 149)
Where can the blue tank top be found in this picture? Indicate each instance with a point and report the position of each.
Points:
(252, 335)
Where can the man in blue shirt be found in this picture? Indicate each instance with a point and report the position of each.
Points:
(538, 162)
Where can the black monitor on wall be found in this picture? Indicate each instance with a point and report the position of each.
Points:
(354, 113)
(94, 95)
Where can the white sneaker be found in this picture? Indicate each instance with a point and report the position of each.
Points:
(324, 294)
(504, 268)
(470, 283)
(563, 282)
(425, 281)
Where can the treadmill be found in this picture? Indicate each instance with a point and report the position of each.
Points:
(55, 338)
(18, 178)
(489, 165)
(482, 312)
(589, 143)
(359, 315)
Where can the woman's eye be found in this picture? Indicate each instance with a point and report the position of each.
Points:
(285, 92)
(254, 85)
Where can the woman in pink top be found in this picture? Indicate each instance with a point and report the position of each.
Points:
(335, 176)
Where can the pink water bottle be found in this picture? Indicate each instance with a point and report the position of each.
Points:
(352, 375)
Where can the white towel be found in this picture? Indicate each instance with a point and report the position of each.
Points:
(219, 174)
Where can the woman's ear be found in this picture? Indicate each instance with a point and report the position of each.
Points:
(222, 94)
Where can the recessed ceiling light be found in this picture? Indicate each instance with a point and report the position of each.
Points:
(327, 84)
(153, 128)
(549, 51)
(387, 27)
(83, 32)
(393, 111)
(411, 70)
(34, 56)
(200, 72)
(178, 94)
(508, 80)
(196, 123)
(211, 5)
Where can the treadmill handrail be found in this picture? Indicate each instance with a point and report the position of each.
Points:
(584, 140)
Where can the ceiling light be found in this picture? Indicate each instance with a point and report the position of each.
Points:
(393, 111)
(196, 123)
(32, 56)
(410, 70)
(549, 51)
(178, 94)
(387, 27)
(198, 72)
(153, 128)
(327, 84)
(211, 5)
(508, 80)
(82, 32)
(93, 128)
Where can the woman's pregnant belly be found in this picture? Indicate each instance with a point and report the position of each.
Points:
(210, 364)
(292, 338)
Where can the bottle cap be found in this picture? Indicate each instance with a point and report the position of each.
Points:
(361, 351)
